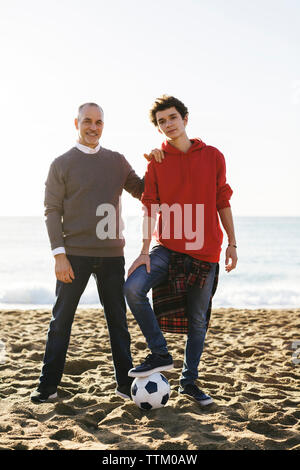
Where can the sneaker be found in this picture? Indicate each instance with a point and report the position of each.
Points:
(153, 363)
(194, 392)
(124, 391)
(42, 396)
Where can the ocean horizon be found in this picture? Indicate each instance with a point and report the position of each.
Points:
(267, 274)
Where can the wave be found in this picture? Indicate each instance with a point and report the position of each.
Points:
(41, 294)
(234, 295)
(260, 295)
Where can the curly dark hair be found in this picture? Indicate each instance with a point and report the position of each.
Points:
(165, 102)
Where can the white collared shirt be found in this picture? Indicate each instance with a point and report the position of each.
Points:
(89, 151)
(85, 149)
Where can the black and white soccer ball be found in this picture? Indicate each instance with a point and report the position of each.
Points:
(150, 392)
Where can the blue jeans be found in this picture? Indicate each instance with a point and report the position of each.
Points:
(109, 276)
(136, 289)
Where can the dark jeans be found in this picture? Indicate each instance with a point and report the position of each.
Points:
(109, 276)
(136, 289)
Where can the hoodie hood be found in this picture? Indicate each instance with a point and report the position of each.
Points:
(197, 144)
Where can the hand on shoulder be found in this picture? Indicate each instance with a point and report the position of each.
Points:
(157, 154)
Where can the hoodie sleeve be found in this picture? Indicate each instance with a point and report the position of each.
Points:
(150, 197)
(224, 191)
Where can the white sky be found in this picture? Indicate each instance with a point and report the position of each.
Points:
(234, 63)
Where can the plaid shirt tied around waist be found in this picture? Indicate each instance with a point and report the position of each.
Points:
(170, 297)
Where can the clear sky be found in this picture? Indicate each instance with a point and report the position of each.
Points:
(234, 63)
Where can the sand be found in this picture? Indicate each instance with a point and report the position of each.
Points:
(247, 367)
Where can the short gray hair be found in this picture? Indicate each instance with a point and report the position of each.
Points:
(88, 104)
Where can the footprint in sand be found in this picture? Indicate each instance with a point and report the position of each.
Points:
(62, 434)
(140, 345)
(78, 366)
(63, 409)
(269, 430)
(82, 401)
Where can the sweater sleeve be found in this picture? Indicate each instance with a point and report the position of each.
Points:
(224, 191)
(53, 202)
(133, 183)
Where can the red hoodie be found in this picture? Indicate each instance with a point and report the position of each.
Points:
(195, 182)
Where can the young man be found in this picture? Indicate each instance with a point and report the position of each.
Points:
(82, 183)
(189, 190)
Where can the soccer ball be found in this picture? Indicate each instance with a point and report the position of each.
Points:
(150, 392)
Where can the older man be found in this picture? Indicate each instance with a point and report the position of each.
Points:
(82, 184)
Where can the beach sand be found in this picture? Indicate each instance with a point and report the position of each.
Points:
(247, 367)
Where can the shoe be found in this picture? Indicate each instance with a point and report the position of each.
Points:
(194, 392)
(153, 363)
(124, 391)
(42, 396)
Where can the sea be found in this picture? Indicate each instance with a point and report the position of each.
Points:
(267, 273)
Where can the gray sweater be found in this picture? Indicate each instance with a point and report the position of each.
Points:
(76, 187)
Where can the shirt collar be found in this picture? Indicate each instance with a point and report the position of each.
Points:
(88, 150)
